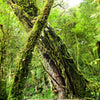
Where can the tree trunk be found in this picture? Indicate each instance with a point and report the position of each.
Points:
(60, 66)
(65, 77)
(22, 72)
(3, 94)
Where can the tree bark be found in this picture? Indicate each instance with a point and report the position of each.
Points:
(60, 66)
(22, 72)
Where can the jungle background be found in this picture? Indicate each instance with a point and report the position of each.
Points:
(78, 28)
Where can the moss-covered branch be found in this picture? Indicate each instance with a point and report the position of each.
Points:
(29, 6)
(21, 14)
(21, 75)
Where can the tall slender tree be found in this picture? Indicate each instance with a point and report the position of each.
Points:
(22, 72)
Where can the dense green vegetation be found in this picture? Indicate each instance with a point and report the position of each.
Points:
(65, 62)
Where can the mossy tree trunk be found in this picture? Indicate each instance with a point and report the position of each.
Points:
(22, 72)
(59, 64)
(3, 94)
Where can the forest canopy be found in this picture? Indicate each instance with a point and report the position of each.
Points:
(48, 50)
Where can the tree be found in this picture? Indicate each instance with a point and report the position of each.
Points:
(21, 74)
